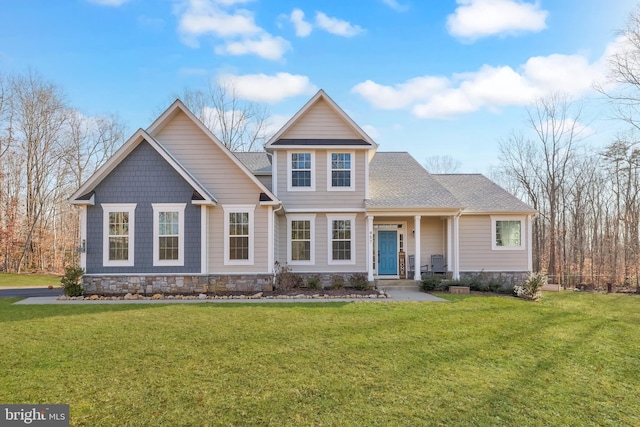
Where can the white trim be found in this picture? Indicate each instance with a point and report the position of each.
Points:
(274, 173)
(417, 272)
(449, 233)
(352, 171)
(270, 240)
(330, 219)
(312, 243)
(530, 242)
(325, 210)
(168, 207)
(370, 250)
(366, 178)
(83, 237)
(250, 209)
(456, 248)
(312, 154)
(204, 234)
(118, 207)
(521, 219)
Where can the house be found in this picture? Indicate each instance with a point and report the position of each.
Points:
(174, 211)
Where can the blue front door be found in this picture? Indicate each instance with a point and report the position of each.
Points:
(388, 253)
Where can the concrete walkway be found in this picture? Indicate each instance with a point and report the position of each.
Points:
(395, 296)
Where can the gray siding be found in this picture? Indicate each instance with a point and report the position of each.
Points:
(322, 198)
(143, 177)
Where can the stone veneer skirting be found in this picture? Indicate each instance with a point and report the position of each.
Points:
(508, 277)
(185, 285)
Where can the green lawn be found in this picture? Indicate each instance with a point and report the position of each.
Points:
(10, 280)
(571, 359)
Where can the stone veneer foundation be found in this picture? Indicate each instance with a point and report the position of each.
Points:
(185, 285)
(508, 277)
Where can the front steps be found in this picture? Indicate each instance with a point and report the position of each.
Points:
(397, 285)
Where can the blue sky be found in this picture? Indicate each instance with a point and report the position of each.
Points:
(432, 77)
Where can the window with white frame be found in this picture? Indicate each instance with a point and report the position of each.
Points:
(340, 171)
(301, 239)
(238, 230)
(168, 234)
(301, 174)
(341, 231)
(507, 233)
(118, 234)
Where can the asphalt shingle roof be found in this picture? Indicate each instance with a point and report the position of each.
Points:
(479, 194)
(397, 180)
(259, 163)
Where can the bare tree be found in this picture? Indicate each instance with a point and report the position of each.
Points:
(241, 125)
(442, 164)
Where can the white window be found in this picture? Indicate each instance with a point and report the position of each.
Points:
(301, 171)
(238, 234)
(507, 233)
(118, 234)
(301, 246)
(340, 174)
(168, 234)
(341, 232)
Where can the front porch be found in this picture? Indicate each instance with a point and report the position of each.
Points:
(408, 246)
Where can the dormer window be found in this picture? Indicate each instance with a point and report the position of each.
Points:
(301, 171)
(340, 171)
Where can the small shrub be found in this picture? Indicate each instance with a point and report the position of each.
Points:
(359, 281)
(314, 282)
(72, 281)
(431, 283)
(286, 279)
(531, 289)
(337, 281)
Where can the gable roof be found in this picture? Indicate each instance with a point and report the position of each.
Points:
(481, 195)
(177, 106)
(397, 180)
(321, 95)
(81, 196)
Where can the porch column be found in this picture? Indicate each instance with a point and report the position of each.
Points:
(449, 243)
(370, 248)
(530, 242)
(456, 247)
(204, 243)
(416, 227)
(83, 237)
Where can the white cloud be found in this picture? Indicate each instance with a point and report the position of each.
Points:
(489, 87)
(395, 5)
(275, 123)
(371, 130)
(400, 95)
(474, 19)
(236, 28)
(337, 26)
(265, 88)
(113, 3)
(303, 28)
(265, 46)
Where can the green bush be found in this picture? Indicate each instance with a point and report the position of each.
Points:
(431, 283)
(314, 282)
(531, 289)
(359, 281)
(337, 281)
(72, 281)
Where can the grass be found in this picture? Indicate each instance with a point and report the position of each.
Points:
(11, 280)
(571, 359)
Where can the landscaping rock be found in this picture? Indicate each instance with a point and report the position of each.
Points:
(257, 296)
(157, 296)
(202, 296)
(128, 296)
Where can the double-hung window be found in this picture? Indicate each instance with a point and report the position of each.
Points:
(118, 234)
(301, 174)
(341, 239)
(507, 233)
(238, 239)
(340, 171)
(168, 234)
(301, 239)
